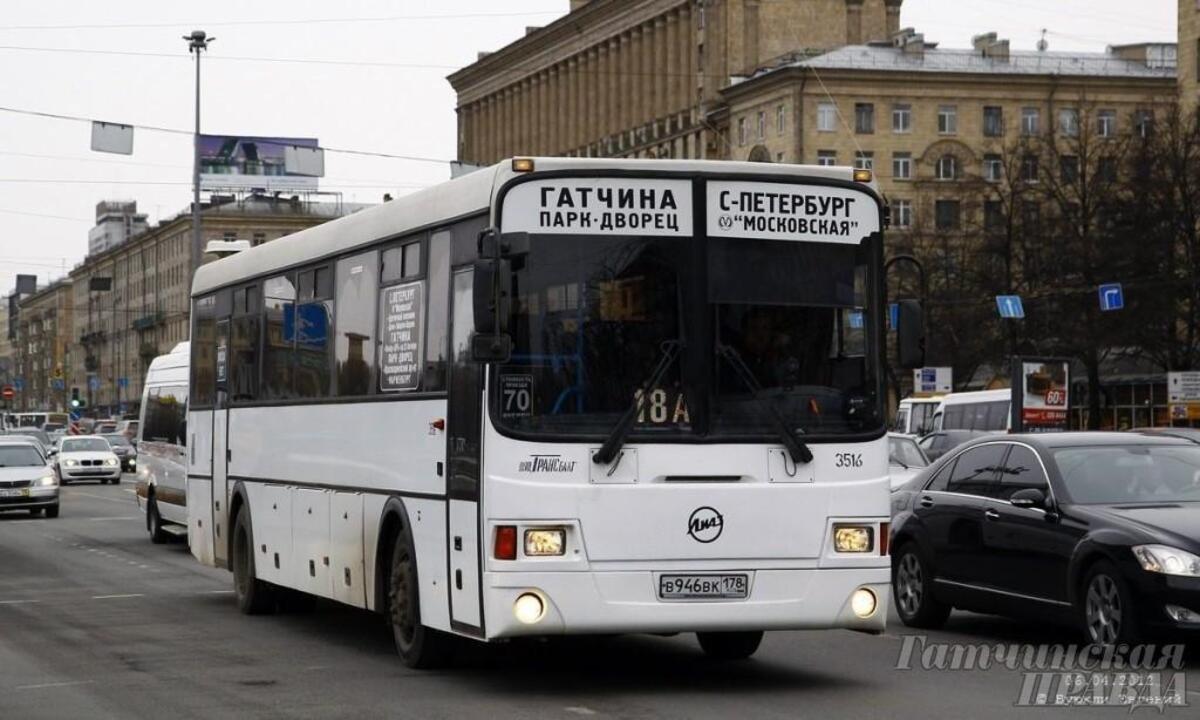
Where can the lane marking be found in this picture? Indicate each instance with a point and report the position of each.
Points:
(117, 597)
(18, 602)
(102, 497)
(54, 684)
(218, 592)
(579, 710)
(113, 517)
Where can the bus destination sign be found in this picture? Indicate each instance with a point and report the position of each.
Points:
(600, 206)
(781, 211)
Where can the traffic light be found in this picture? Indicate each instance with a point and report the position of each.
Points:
(75, 402)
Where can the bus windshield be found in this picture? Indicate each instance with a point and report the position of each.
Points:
(778, 322)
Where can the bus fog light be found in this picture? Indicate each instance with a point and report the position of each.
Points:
(853, 538)
(545, 542)
(529, 608)
(863, 603)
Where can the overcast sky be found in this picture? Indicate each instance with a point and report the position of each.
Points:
(380, 86)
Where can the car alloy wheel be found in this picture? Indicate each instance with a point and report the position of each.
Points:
(910, 587)
(1103, 610)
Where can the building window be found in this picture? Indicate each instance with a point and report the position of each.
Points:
(864, 160)
(901, 166)
(1070, 168)
(993, 215)
(1029, 168)
(904, 212)
(902, 118)
(1031, 121)
(993, 168)
(826, 158)
(741, 131)
(780, 119)
(1143, 123)
(947, 119)
(762, 125)
(993, 121)
(826, 117)
(1106, 169)
(947, 168)
(1106, 123)
(946, 212)
(258, 239)
(778, 157)
(864, 118)
(1068, 122)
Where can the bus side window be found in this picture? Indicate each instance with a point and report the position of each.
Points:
(438, 322)
(243, 345)
(357, 297)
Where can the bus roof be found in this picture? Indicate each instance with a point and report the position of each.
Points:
(457, 198)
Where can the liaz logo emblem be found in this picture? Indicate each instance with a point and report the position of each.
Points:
(705, 524)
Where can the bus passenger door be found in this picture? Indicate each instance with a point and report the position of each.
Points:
(463, 455)
(220, 451)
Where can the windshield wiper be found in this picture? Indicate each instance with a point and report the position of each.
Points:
(795, 446)
(616, 438)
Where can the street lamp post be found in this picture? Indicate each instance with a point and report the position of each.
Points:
(197, 42)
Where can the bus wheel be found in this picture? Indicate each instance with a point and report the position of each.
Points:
(419, 646)
(154, 525)
(729, 645)
(254, 597)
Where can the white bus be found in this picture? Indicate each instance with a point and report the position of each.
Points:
(161, 490)
(914, 416)
(982, 410)
(554, 396)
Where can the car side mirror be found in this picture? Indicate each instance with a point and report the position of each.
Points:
(1029, 498)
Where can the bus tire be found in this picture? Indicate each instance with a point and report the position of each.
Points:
(254, 596)
(419, 647)
(730, 645)
(154, 525)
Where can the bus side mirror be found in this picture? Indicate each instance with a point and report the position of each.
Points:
(489, 298)
(910, 335)
(493, 348)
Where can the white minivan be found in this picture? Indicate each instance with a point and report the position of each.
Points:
(162, 445)
(915, 415)
(985, 410)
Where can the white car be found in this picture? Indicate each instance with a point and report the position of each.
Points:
(905, 459)
(86, 457)
(27, 480)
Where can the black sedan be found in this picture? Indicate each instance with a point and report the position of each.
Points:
(124, 450)
(1100, 530)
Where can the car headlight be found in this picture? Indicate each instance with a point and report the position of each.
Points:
(853, 538)
(70, 463)
(47, 480)
(112, 462)
(1167, 560)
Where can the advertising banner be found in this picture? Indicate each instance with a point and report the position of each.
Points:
(1041, 390)
(230, 162)
(599, 206)
(1183, 395)
(933, 381)
(783, 211)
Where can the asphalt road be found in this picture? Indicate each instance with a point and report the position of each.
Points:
(96, 622)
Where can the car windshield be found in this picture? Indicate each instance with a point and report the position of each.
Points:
(94, 444)
(20, 456)
(1130, 474)
(117, 439)
(592, 313)
(903, 451)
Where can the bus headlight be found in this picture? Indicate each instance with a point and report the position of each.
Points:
(545, 542)
(853, 538)
(529, 608)
(863, 603)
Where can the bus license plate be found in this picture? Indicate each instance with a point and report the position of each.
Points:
(704, 587)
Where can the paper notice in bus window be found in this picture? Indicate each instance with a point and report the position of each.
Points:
(599, 206)
(516, 396)
(400, 334)
(221, 363)
(786, 211)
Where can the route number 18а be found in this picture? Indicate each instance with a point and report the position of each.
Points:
(660, 406)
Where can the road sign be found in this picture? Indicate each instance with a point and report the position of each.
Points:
(94, 383)
(1111, 297)
(856, 319)
(1010, 306)
(18, 384)
(7, 392)
(58, 373)
(58, 384)
(122, 382)
(933, 381)
(893, 316)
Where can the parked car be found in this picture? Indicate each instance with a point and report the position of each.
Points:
(937, 444)
(40, 435)
(905, 459)
(86, 457)
(27, 480)
(124, 450)
(1101, 530)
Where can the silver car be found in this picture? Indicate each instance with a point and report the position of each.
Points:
(86, 457)
(27, 480)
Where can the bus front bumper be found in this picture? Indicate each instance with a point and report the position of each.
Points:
(627, 602)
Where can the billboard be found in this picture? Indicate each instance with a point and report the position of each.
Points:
(1183, 395)
(929, 381)
(236, 162)
(1041, 388)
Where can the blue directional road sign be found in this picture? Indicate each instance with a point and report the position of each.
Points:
(94, 382)
(1112, 297)
(57, 384)
(856, 319)
(18, 384)
(893, 315)
(1010, 306)
(122, 382)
